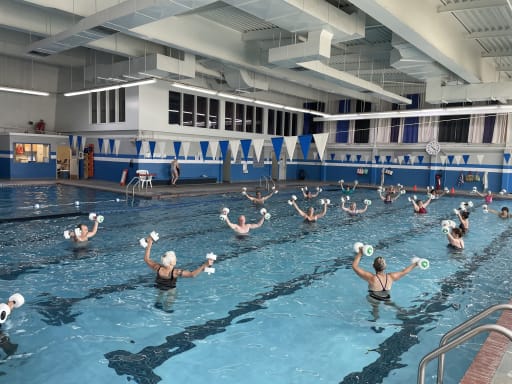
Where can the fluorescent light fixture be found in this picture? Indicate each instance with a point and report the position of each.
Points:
(235, 97)
(476, 110)
(269, 104)
(195, 89)
(25, 91)
(111, 87)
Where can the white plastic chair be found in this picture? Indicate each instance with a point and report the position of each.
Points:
(145, 178)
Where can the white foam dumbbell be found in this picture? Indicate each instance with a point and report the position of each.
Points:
(294, 198)
(485, 208)
(78, 232)
(67, 234)
(265, 214)
(474, 190)
(5, 311)
(503, 191)
(421, 263)
(367, 202)
(325, 201)
(403, 191)
(224, 214)
(94, 217)
(210, 256)
(319, 189)
(155, 236)
(470, 204)
(367, 249)
(244, 191)
(17, 299)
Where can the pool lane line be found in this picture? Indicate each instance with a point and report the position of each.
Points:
(42, 217)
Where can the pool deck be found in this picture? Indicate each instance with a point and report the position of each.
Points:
(493, 363)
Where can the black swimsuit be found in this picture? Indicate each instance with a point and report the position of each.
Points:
(383, 295)
(163, 283)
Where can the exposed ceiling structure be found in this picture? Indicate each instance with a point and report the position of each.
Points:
(306, 50)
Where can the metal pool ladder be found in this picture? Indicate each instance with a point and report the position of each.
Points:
(459, 335)
(268, 181)
(134, 182)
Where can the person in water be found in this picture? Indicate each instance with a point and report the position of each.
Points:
(455, 240)
(167, 274)
(242, 227)
(310, 216)
(419, 205)
(380, 282)
(352, 208)
(258, 198)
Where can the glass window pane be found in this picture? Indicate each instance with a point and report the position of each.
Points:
(239, 117)
(279, 123)
(112, 106)
(174, 107)
(229, 117)
(103, 106)
(94, 108)
(188, 110)
(213, 114)
(271, 122)
(121, 105)
(249, 112)
(294, 124)
(259, 120)
(201, 112)
(287, 124)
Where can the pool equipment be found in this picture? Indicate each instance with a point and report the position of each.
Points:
(94, 217)
(143, 243)
(367, 202)
(367, 249)
(422, 263)
(224, 215)
(5, 311)
(210, 256)
(265, 214)
(325, 201)
(17, 299)
(294, 198)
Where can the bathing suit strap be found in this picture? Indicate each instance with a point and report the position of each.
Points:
(382, 285)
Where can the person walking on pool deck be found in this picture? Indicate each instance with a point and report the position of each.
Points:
(175, 171)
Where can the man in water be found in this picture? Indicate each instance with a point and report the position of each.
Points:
(243, 228)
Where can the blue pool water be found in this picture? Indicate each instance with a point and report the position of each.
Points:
(284, 305)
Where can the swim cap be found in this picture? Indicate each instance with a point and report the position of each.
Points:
(169, 258)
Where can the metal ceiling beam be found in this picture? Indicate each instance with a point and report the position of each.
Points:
(471, 5)
(507, 32)
(500, 53)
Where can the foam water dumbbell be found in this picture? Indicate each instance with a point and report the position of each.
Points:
(224, 214)
(143, 243)
(422, 263)
(94, 217)
(210, 256)
(294, 198)
(265, 214)
(244, 191)
(325, 201)
(367, 202)
(367, 249)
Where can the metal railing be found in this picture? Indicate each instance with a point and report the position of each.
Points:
(459, 335)
(136, 182)
(268, 181)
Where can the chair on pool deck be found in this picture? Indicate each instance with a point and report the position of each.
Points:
(145, 178)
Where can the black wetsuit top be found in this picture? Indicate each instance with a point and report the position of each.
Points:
(165, 283)
(383, 295)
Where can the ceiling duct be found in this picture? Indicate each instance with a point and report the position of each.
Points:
(122, 17)
(316, 47)
(437, 93)
(241, 80)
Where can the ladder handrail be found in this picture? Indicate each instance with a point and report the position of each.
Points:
(137, 181)
(468, 323)
(459, 340)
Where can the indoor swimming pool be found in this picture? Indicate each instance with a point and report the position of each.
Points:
(283, 306)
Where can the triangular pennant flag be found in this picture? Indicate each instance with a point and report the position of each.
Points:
(480, 158)
(412, 157)
(333, 155)
(348, 156)
(377, 159)
(321, 142)
(145, 150)
(450, 159)
(177, 147)
(458, 158)
(234, 144)
(406, 159)
(224, 144)
(507, 157)
(277, 143)
(443, 159)
(79, 142)
(160, 148)
(74, 142)
(117, 144)
(204, 148)
(305, 142)
(246, 146)
(83, 143)
(466, 158)
(366, 158)
(214, 147)
(388, 159)
(70, 137)
(358, 158)
(152, 145)
(186, 149)
(258, 147)
(400, 159)
(138, 145)
(111, 143)
(290, 142)
(420, 159)
(100, 145)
